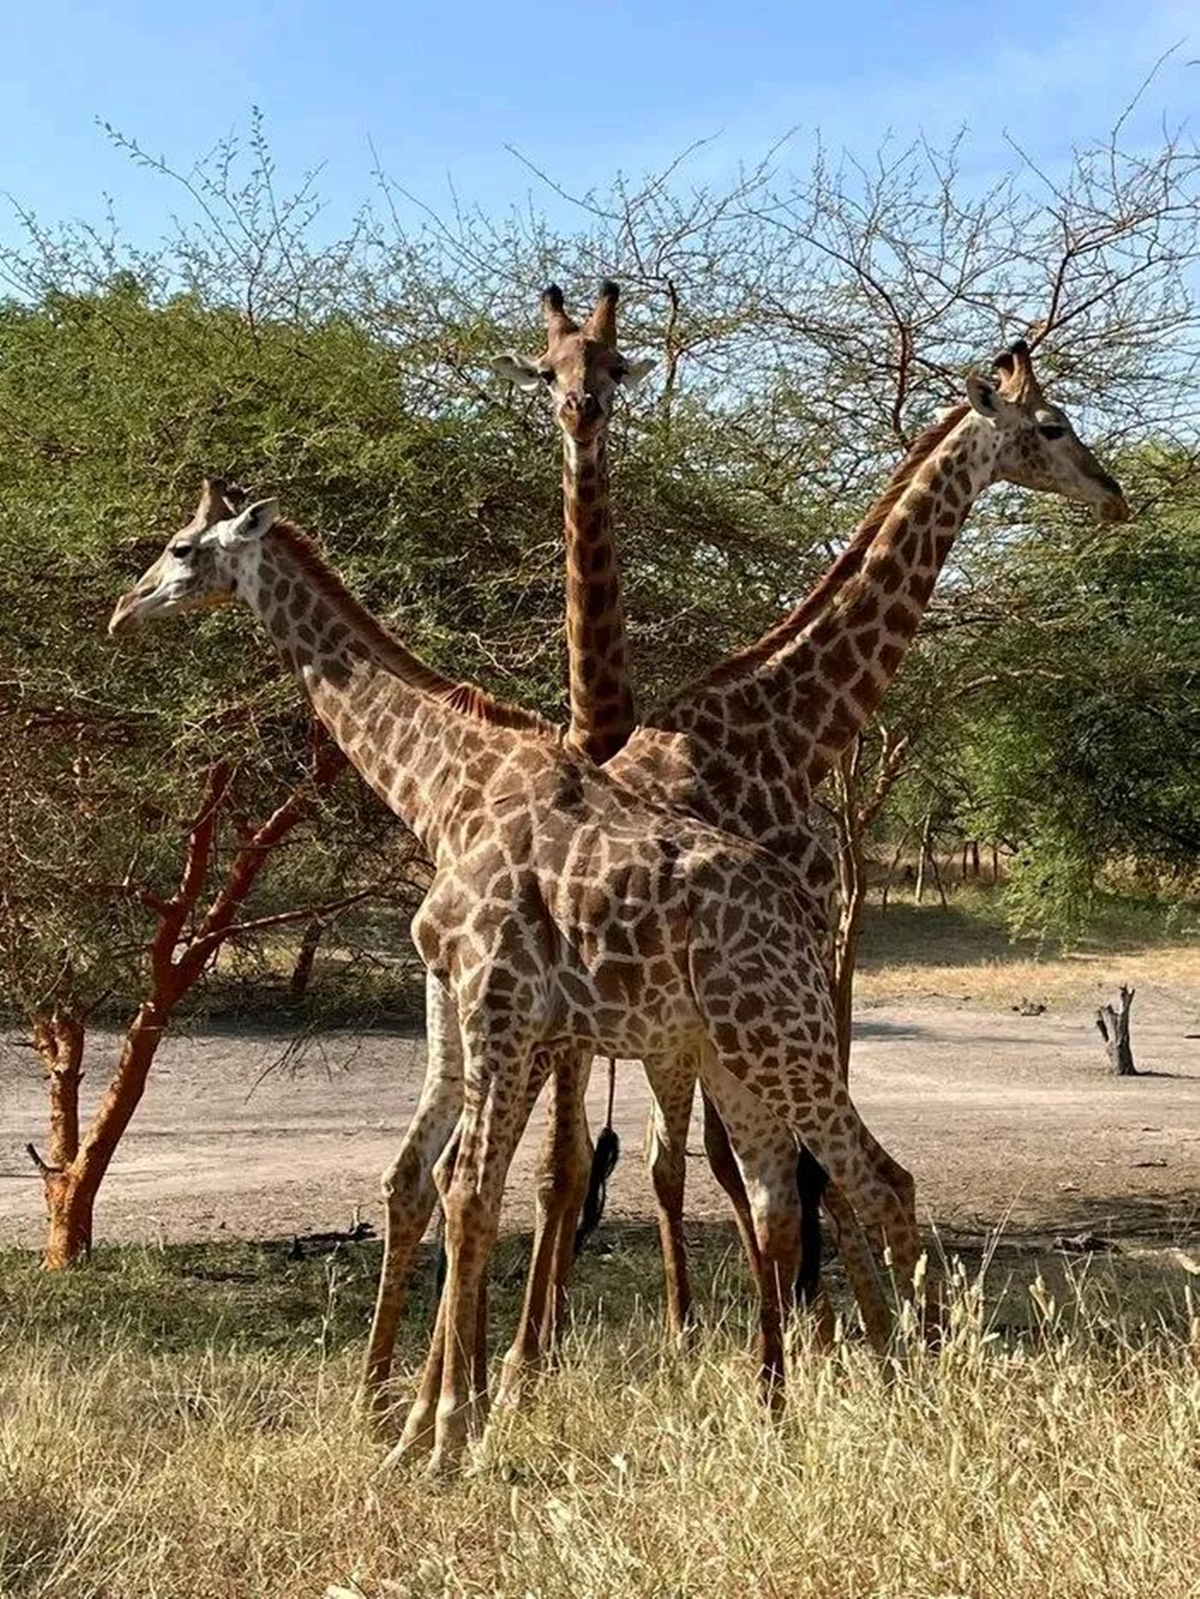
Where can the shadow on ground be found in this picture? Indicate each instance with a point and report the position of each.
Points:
(260, 1297)
(970, 931)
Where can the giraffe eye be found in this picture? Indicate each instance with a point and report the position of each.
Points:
(546, 374)
(183, 552)
(1049, 432)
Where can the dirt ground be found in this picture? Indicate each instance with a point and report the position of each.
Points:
(1001, 1118)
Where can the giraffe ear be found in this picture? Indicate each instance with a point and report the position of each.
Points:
(251, 523)
(984, 398)
(635, 371)
(518, 369)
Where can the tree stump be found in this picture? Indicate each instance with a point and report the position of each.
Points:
(305, 957)
(1113, 1026)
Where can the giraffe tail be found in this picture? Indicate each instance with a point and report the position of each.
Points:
(811, 1183)
(604, 1162)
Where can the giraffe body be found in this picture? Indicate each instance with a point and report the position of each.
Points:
(580, 368)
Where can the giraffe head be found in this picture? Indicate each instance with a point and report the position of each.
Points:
(1039, 448)
(199, 566)
(581, 368)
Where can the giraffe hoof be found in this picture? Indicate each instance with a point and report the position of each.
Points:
(446, 1461)
(378, 1411)
(443, 1467)
(417, 1438)
(515, 1388)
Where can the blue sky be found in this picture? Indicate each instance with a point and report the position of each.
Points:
(580, 90)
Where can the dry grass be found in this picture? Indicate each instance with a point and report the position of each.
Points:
(193, 1438)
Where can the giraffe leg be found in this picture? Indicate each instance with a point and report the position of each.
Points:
(812, 1185)
(785, 1053)
(409, 1191)
(933, 1309)
(810, 1182)
(417, 1435)
(673, 1086)
(880, 1204)
(417, 1438)
(763, 1152)
(728, 1173)
(497, 1068)
(561, 1183)
(862, 1272)
(573, 1162)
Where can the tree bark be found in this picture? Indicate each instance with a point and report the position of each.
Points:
(845, 961)
(59, 1038)
(937, 878)
(891, 872)
(69, 1210)
(1113, 1026)
(923, 856)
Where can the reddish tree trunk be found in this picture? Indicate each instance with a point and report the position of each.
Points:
(849, 928)
(77, 1166)
(69, 1207)
(59, 1040)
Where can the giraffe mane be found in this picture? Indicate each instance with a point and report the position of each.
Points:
(466, 698)
(845, 565)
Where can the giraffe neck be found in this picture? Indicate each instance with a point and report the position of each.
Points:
(827, 682)
(749, 742)
(394, 718)
(602, 707)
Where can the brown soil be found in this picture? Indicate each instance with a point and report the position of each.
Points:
(1001, 1118)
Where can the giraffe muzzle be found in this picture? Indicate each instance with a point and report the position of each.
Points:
(133, 608)
(580, 413)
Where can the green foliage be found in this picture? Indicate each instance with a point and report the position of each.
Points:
(1082, 751)
(350, 378)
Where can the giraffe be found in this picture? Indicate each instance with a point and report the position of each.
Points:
(563, 908)
(748, 744)
(745, 746)
(580, 368)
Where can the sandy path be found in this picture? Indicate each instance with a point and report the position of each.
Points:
(996, 1115)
